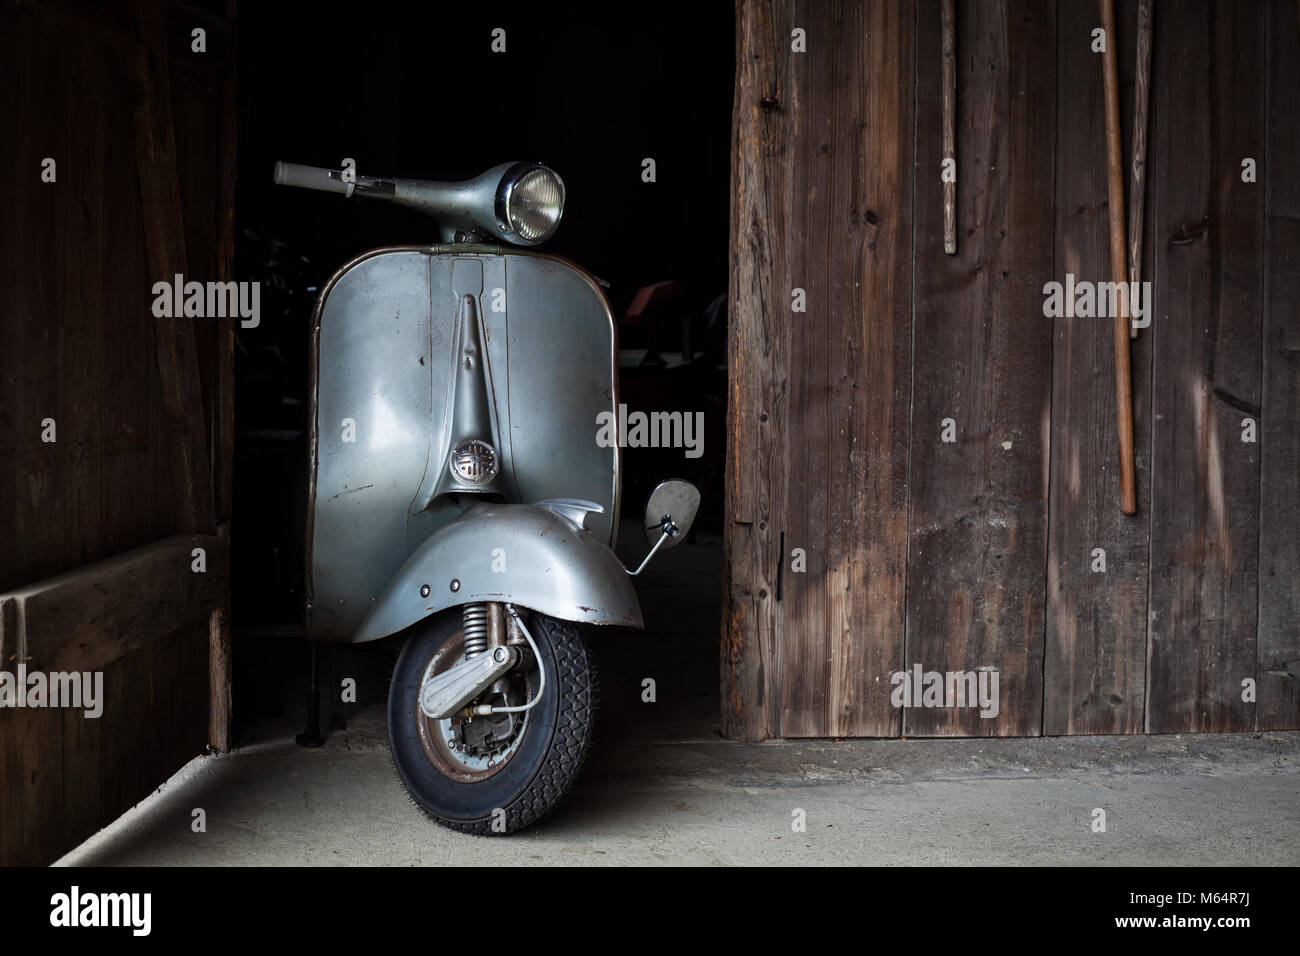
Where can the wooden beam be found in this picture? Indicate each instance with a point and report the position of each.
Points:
(165, 240)
(764, 116)
(88, 618)
(1278, 673)
(219, 650)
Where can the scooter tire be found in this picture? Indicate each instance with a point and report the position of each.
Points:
(551, 753)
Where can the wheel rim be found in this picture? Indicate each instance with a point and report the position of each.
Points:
(459, 763)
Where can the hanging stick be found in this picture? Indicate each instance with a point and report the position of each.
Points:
(949, 125)
(1138, 170)
(1119, 272)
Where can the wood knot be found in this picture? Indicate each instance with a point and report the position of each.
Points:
(769, 103)
(1190, 232)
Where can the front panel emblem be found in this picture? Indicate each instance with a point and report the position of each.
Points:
(474, 462)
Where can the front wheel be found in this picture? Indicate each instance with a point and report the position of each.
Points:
(499, 773)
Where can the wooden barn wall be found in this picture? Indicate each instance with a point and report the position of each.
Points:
(859, 544)
(99, 525)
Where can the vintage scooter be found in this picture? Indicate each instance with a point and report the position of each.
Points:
(458, 493)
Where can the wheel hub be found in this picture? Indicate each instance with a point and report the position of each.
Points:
(468, 747)
(491, 735)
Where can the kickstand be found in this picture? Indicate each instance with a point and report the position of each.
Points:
(311, 736)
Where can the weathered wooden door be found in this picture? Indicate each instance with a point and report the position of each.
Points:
(921, 461)
(115, 424)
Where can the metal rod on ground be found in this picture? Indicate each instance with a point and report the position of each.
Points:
(949, 126)
(1138, 169)
(1119, 272)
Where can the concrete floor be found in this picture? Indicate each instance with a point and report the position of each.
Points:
(663, 787)
(1169, 800)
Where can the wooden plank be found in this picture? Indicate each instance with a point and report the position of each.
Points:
(849, 367)
(35, 472)
(1206, 334)
(843, 200)
(130, 738)
(757, 372)
(84, 619)
(181, 720)
(840, 620)
(31, 756)
(81, 773)
(151, 725)
(81, 316)
(805, 650)
(132, 441)
(224, 434)
(70, 777)
(983, 354)
(1095, 650)
(1278, 673)
(8, 632)
(197, 129)
(11, 825)
(58, 298)
(165, 239)
(76, 296)
(868, 224)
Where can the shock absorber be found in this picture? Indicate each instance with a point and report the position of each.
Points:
(474, 620)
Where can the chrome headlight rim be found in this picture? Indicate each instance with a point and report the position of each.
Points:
(505, 192)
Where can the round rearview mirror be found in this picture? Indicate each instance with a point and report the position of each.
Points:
(672, 507)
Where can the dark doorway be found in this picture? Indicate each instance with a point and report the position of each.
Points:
(419, 92)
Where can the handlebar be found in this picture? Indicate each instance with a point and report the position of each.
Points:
(332, 181)
(311, 177)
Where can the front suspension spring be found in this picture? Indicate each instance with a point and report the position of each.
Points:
(474, 620)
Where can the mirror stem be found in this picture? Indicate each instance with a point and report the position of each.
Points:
(662, 538)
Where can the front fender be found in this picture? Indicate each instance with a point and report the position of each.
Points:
(501, 552)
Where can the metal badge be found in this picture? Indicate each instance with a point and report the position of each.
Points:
(474, 462)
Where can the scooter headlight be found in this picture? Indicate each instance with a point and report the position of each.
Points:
(529, 203)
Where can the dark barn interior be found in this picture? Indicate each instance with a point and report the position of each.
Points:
(585, 95)
(907, 464)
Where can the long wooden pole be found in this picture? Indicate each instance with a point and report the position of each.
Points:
(949, 17)
(1119, 271)
(1138, 168)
